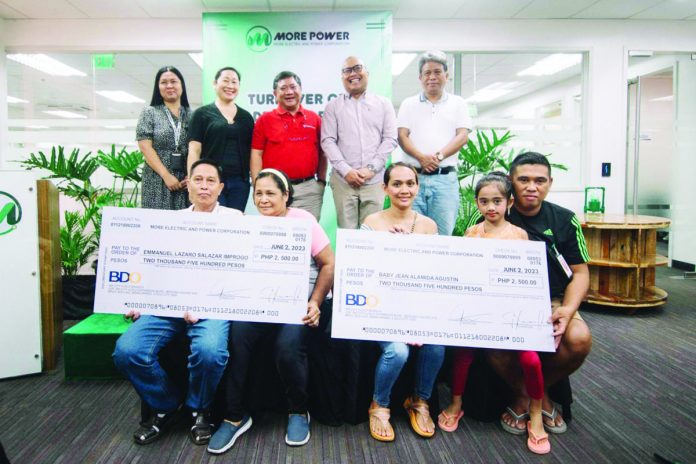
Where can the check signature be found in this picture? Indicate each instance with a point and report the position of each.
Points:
(276, 294)
(231, 294)
(513, 319)
(472, 319)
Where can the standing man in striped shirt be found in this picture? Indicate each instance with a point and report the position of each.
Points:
(358, 134)
(569, 280)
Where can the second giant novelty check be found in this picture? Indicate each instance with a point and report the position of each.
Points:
(442, 291)
(215, 266)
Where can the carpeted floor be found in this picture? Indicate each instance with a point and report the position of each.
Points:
(635, 396)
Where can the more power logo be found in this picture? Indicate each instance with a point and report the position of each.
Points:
(260, 38)
(10, 213)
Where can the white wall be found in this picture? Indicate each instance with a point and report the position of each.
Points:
(606, 41)
(3, 95)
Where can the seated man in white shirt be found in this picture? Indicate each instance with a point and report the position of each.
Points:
(136, 353)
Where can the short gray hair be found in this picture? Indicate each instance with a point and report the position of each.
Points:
(436, 56)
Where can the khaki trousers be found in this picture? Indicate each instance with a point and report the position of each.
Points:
(353, 205)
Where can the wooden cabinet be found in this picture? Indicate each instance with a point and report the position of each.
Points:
(623, 258)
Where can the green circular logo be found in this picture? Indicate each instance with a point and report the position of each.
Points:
(10, 213)
(258, 39)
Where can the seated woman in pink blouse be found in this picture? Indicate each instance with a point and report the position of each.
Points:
(273, 197)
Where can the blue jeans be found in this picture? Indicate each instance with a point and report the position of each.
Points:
(235, 194)
(136, 357)
(394, 356)
(438, 198)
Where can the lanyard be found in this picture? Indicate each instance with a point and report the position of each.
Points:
(175, 127)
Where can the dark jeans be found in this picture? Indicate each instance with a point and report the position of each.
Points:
(235, 194)
(290, 357)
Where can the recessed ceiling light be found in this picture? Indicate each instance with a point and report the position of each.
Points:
(33, 126)
(119, 96)
(45, 64)
(552, 64)
(640, 53)
(667, 98)
(15, 100)
(115, 127)
(400, 61)
(493, 91)
(65, 114)
(198, 58)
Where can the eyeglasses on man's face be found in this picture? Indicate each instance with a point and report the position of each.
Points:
(352, 69)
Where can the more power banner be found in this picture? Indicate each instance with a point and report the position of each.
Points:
(312, 45)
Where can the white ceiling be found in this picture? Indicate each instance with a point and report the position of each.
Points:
(411, 9)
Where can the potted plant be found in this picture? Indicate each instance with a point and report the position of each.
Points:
(478, 157)
(79, 236)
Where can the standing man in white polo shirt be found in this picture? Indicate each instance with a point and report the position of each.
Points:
(358, 133)
(433, 126)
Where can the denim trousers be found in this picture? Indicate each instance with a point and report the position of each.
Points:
(392, 360)
(235, 193)
(290, 358)
(136, 357)
(438, 198)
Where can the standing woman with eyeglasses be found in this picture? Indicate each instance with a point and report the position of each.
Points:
(162, 137)
(221, 131)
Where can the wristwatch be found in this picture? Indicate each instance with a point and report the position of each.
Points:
(439, 156)
(371, 167)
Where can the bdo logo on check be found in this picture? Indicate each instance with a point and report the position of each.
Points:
(125, 277)
(354, 299)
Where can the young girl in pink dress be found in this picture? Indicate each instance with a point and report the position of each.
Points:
(493, 199)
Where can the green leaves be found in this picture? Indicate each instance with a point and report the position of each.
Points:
(124, 164)
(80, 234)
(477, 158)
(76, 244)
(70, 168)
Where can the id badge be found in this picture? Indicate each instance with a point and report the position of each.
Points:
(177, 162)
(564, 265)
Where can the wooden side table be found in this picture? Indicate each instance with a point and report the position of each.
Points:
(623, 258)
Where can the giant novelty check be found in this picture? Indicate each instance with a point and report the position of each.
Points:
(442, 291)
(217, 266)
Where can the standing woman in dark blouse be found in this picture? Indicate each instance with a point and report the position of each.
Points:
(221, 131)
(162, 137)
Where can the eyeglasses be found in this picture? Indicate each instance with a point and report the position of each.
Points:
(209, 181)
(353, 69)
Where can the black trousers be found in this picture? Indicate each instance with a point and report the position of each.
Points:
(290, 358)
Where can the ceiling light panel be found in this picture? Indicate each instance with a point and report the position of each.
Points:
(552, 64)
(65, 114)
(16, 100)
(119, 96)
(45, 64)
(493, 91)
(400, 61)
(197, 58)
